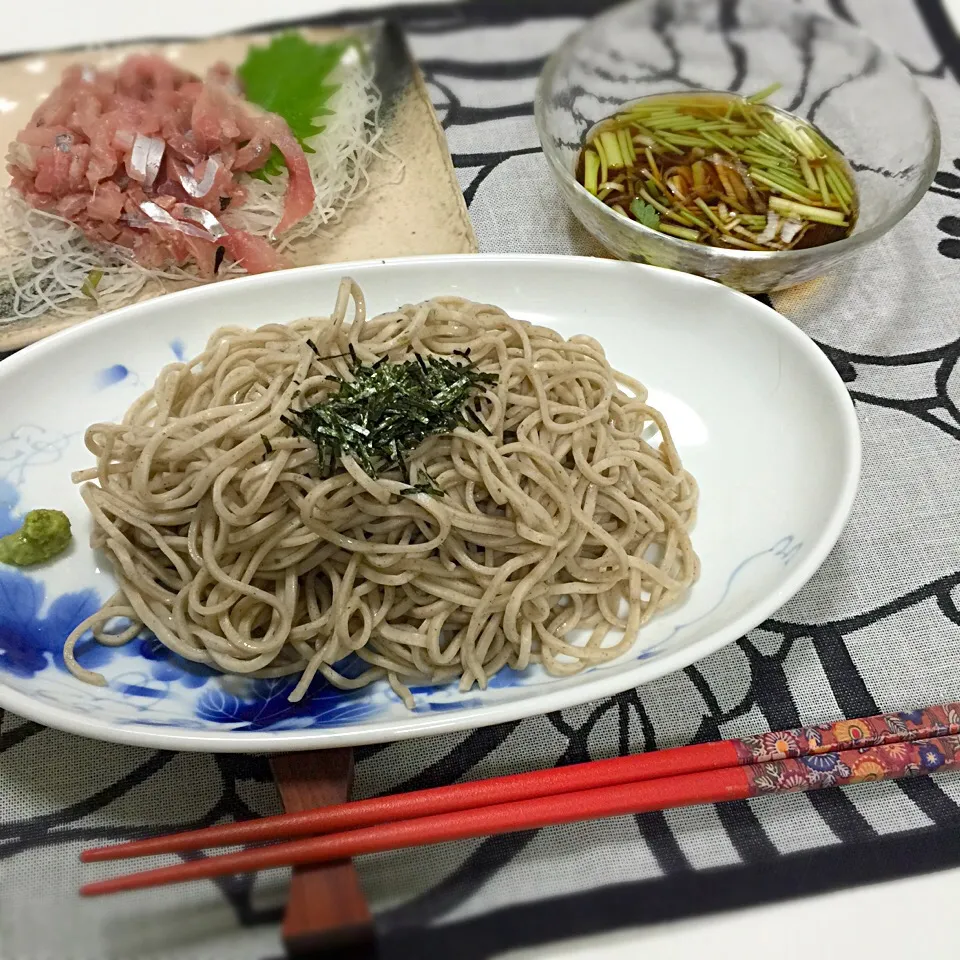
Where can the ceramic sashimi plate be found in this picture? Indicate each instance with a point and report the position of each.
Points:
(408, 201)
(758, 413)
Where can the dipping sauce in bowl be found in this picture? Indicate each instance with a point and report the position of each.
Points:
(720, 169)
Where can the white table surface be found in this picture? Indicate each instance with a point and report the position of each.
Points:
(57, 23)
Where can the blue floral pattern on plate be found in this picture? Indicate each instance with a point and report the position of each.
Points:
(28, 446)
(108, 376)
(31, 642)
(150, 685)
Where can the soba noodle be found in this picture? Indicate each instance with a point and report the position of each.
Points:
(231, 547)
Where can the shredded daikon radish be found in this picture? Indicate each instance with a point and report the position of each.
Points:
(50, 260)
(338, 166)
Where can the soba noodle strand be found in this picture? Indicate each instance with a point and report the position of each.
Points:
(228, 543)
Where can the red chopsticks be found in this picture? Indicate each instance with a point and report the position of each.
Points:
(767, 747)
(888, 746)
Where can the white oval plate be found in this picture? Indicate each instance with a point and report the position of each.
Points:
(761, 418)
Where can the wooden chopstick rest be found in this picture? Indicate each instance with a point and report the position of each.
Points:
(327, 914)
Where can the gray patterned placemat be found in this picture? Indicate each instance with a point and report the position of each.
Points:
(877, 628)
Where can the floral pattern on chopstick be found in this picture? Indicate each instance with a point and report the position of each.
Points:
(824, 738)
(885, 762)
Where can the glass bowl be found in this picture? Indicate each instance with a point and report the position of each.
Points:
(863, 98)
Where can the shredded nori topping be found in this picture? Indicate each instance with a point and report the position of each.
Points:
(386, 410)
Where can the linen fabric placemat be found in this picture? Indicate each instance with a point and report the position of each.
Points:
(877, 628)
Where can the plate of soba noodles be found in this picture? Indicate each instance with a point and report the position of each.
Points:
(361, 502)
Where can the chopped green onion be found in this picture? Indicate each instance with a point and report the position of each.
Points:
(743, 244)
(626, 146)
(654, 169)
(672, 122)
(683, 215)
(790, 182)
(840, 181)
(653, 203)
(684, 233)
(803, 211)
(795, 136)
(774, 144)
(838, 188)
(668, 146)
(591, 167)
(687, 140)
(602, 154)
(764, 93)
(611, 147)
(718, 140)
(768, 181)
(710, 214)
(822, 186)
(764, 159)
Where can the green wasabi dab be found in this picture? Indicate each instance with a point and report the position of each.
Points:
(44, 534)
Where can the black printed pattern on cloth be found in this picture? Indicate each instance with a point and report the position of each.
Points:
(877, 627)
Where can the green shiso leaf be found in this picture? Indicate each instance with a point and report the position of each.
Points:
(287, 77)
